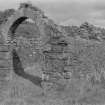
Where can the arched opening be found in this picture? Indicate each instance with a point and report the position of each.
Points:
(18, 68)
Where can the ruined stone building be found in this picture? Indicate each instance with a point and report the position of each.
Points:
(54, 57)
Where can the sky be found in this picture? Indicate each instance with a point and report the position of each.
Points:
(67, 12)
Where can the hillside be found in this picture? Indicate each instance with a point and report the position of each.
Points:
(72, 59)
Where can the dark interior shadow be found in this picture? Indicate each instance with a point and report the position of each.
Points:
(19, 70)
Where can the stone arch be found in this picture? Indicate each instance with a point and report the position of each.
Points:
(25, 11)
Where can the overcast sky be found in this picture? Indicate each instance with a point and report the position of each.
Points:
(67, 12)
